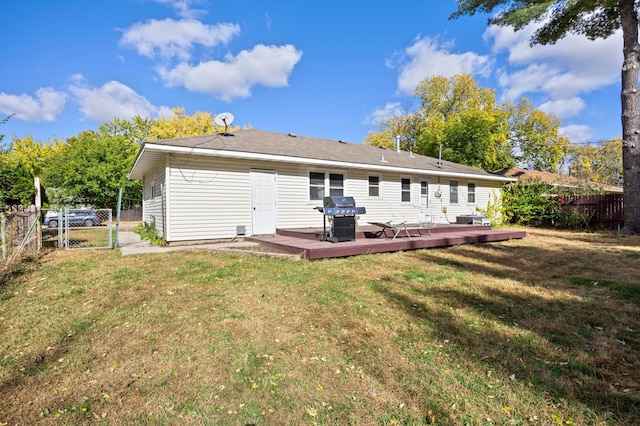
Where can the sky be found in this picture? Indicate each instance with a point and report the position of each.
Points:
(330, 69)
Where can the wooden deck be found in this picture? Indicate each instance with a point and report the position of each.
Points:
(307, 242)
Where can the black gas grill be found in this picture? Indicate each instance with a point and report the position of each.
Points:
(341, 213)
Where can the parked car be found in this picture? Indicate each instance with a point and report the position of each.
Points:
(84, 217)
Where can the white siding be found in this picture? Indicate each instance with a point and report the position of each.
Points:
(152, 206)
(210, 197)
(484, 191)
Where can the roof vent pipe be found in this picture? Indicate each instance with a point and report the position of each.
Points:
(397, 143)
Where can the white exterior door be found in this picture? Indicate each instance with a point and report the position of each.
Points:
(424, 209)
(263, 202)
(424, 193)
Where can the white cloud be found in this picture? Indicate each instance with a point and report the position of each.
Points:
(113, 99)
(577, 133)
(563, 108)
(183, 7)
(235, 76)
(427, 58)
(175, 39)
(571, 66)
(380, 114)
(46, 106)
(559, 73)
(527, 80)
(164, 111)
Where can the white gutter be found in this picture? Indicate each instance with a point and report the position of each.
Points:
(312, 161)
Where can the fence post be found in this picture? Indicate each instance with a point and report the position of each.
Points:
(115, 243)
(38, 228)
(27, 235)
(60, 227)
(3, 235)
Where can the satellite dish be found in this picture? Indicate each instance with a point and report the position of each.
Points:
(224, 119)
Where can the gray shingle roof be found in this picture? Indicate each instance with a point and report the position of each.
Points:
(294, 148)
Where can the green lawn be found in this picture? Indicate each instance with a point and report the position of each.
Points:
(543, 330)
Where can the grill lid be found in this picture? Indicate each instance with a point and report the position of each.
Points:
(337, 201)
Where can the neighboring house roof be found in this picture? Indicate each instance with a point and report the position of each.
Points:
(557, 179)
(270, 146)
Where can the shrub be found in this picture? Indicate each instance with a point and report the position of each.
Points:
(538, 204)
(494, 210)
(529, 203)
(148, 231)
(571, 219)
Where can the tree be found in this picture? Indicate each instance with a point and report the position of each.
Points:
(3, 121)
(473, 129)
(32, 153)
(478, 140)
(446, 103)
(136, 131)
(406, 126)
(534, 137)
(593, 19)
(180, 125)
(16, 183)
(91, 168)
(601, 163)
(454, 113)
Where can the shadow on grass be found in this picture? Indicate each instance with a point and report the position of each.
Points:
(569, 326)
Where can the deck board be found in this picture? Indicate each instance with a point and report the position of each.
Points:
(307, 243)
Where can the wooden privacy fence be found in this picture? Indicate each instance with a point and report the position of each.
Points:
(132, 214)
(603, 211)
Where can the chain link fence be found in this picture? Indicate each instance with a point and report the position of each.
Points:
(77, 228)
(24, 231)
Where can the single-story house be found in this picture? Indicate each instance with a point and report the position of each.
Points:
(555, 179)
(218, 186)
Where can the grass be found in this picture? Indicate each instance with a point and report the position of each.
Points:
(81, 237)
(543, 330)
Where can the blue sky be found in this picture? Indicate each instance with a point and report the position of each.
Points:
(330, 69)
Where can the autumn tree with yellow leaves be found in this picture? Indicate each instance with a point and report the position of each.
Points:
(464, 123)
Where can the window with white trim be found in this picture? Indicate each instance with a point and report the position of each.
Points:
(471, 193)
(374, 186)
(316, 186)
(156, 190)
(405, 189)
(453, 191)
(336, 184)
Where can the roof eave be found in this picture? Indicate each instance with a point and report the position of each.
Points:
(138, 171)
